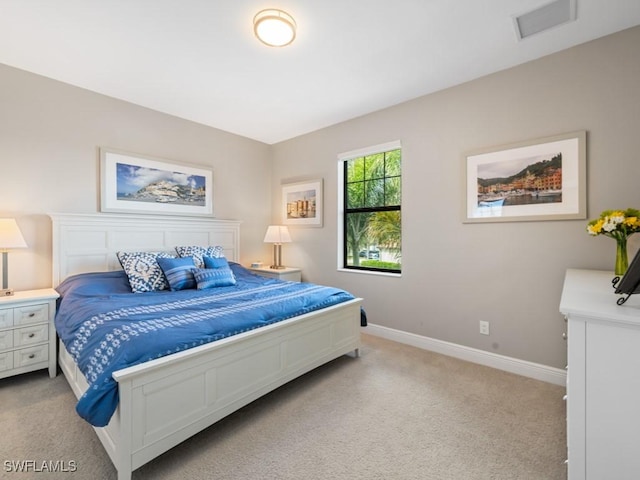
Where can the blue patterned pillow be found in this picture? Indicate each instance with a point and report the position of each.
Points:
(178, 272)
(198, 252)
(143, 271)
(214, 277)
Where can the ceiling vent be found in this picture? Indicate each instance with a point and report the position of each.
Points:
(546, 17)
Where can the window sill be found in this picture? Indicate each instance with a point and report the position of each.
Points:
(370, 272)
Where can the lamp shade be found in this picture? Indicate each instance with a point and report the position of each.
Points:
(277, 234)
(10, 235)
(274, 27)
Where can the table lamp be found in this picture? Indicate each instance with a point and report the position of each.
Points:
(10, 238)
(277, 234)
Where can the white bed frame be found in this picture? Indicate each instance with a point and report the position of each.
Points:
(165, 401)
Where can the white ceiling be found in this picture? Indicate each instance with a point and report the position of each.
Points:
(199, 60)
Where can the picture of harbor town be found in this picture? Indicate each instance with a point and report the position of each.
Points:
(521, 181)
(143, 184)
(301, 204)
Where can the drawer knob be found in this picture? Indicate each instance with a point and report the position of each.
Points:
(31, 315)
(564, 336)
(31, 335)
(564, 398)
(33, 355)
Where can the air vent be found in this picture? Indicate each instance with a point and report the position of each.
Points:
(546, 17)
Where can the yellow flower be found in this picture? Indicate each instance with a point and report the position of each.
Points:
(631, 221)
(617, 224)
(596, 228)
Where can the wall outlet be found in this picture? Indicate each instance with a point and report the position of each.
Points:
(484, 327)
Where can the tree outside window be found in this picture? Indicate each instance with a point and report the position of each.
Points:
(372, 212)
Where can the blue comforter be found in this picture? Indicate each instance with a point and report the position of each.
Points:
(105, 327)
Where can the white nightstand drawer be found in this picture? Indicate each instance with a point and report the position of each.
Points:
(31, 314)
(27, 334)
(6, 317)
(6, 361)
(29, 356)
(30, 335)
(6, 339)
(290, 274)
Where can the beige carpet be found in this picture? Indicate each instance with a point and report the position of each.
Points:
(397, 412)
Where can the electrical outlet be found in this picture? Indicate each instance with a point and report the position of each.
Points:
(484, 327)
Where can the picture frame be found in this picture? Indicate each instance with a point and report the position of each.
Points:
(535, 180)
(302, 203)
(132, 183)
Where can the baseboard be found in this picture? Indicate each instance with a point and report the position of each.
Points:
(501, 362)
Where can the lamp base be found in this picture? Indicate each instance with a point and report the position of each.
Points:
(6, 292)
(277, 257)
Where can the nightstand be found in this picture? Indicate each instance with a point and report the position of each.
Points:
(290, 274)
(27, 333)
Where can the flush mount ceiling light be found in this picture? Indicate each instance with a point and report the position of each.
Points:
(274, 27)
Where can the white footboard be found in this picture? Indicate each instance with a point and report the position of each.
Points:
(166, 401)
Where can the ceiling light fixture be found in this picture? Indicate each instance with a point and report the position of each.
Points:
(274, 27)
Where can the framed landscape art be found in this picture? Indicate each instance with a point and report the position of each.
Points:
(130, 183)
(543, 179)
(302, 203)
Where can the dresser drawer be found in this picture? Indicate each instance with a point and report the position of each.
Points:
(31, 314)
(6, 361)
(29, 356)
(6, 317)
(30, 335)
(6, 339)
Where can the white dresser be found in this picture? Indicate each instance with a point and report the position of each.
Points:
(27, 333)
(603, 378)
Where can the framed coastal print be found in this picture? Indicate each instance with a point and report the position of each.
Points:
(132, 183)
(543, 179)
(302, 203)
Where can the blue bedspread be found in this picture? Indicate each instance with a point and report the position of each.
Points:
(105, 327)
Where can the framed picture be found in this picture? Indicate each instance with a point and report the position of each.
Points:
(542, 179)
(132, 183)
(302, 203)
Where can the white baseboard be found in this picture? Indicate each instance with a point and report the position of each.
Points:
(501, 362)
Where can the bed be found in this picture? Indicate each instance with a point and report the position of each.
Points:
(164, 401)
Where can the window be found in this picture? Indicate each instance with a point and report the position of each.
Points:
(371, 230)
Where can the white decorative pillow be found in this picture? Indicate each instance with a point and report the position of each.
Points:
(198, 252)
(143, 271)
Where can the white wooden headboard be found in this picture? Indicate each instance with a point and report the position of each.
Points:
(89, 242)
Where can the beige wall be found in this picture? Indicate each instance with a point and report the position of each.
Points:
(510, 274)
(49, 138)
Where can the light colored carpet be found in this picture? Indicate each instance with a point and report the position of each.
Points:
(397, 412)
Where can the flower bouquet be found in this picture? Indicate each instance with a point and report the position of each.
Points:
(619, 225)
